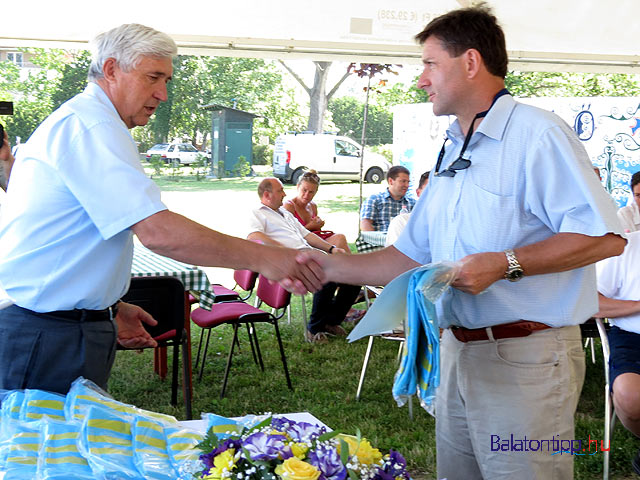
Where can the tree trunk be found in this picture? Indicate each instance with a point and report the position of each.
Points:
(318, 97)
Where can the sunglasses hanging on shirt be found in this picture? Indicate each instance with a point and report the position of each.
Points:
(463, 163)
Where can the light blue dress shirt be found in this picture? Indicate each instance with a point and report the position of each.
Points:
(76, 187)
(530, 178)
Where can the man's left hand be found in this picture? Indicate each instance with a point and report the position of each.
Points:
(479, 271)
(131, 332)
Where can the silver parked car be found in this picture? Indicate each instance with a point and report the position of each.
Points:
(183, 153)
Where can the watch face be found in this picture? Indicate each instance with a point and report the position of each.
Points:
(515, 275)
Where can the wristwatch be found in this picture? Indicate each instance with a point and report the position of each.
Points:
(514, 270)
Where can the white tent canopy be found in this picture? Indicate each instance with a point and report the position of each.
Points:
(544, 35)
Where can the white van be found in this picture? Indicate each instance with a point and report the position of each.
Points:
(333, 157)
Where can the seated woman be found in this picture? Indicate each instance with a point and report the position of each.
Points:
(303, 208)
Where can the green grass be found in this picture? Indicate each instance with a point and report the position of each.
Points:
(325, 377)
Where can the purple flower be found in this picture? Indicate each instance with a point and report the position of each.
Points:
(327, 460)
(395, 466)
(264, 447)
(305, 432)
(207, 458)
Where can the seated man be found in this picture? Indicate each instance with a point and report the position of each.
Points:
(630, 215)
(273, 225)
(397, 224)
(619, 293)
(380, 208)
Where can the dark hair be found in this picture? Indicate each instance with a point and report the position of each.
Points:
(474, 27)
(397, 170)
(310, 176)
(423, 179)
(635, 179)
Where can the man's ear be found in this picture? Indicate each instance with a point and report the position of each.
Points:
(109, 68)
(473, 62)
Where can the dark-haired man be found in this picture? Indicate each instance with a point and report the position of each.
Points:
(380, 208)
(512, 199)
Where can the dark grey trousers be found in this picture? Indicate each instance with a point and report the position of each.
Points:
(47, 352)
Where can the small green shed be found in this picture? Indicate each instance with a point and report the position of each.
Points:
(231, 138)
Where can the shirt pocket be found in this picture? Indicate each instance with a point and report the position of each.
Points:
(491, 221)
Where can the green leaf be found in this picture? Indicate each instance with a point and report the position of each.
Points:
(209, 442)
(328, 436)
(344, 452)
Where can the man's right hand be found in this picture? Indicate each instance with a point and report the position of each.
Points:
(280, 264)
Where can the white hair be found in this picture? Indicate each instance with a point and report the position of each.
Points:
(127, 44)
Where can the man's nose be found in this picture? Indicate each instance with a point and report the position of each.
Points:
(161, 92)
(423, 80)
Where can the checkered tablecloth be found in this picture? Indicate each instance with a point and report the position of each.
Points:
(149, 264)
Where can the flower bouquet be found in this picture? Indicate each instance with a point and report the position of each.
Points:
(279, 448)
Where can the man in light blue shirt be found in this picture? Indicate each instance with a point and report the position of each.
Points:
(514, 201)
(77, 195)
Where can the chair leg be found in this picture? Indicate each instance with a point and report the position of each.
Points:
(199, 347)
(282, 355)
(399, 356)
(304, 317)
(253, 334)
(256, 359)
(174, 375)
(186, 379)
(365, 363)
(204, 356)
(226, 370)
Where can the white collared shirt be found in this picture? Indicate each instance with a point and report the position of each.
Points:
(76, 187)
(619, 278)
(280, 226)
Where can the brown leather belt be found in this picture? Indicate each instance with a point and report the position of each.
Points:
(522, 328)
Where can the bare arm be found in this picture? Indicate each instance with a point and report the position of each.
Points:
(375, 268)
(612, 308)
(6, 162)
(316, 242)
(172, 235)
(366, 225)
(263, 238)
(559, 253)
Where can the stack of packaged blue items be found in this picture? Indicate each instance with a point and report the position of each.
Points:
(88, 435)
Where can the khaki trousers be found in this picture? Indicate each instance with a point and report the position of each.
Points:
(499, 401)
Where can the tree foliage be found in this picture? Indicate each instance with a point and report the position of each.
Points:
(347, 115)
(557, 84)
(248, 84)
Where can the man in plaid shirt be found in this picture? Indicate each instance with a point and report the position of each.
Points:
(380, 208)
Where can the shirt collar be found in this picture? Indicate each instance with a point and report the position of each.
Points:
(493, 125)
(94, 90)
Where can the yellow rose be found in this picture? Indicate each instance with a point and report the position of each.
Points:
(295, 469)
(366, 454)
(222, 461)
(299, 450)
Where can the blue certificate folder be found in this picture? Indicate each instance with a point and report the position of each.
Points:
(408, 302)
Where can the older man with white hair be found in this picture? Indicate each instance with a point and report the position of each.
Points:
(77, 195)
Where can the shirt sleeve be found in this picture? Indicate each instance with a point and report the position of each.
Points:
(608, 274)
(562, 190)
(257, 222)
(368, 208)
